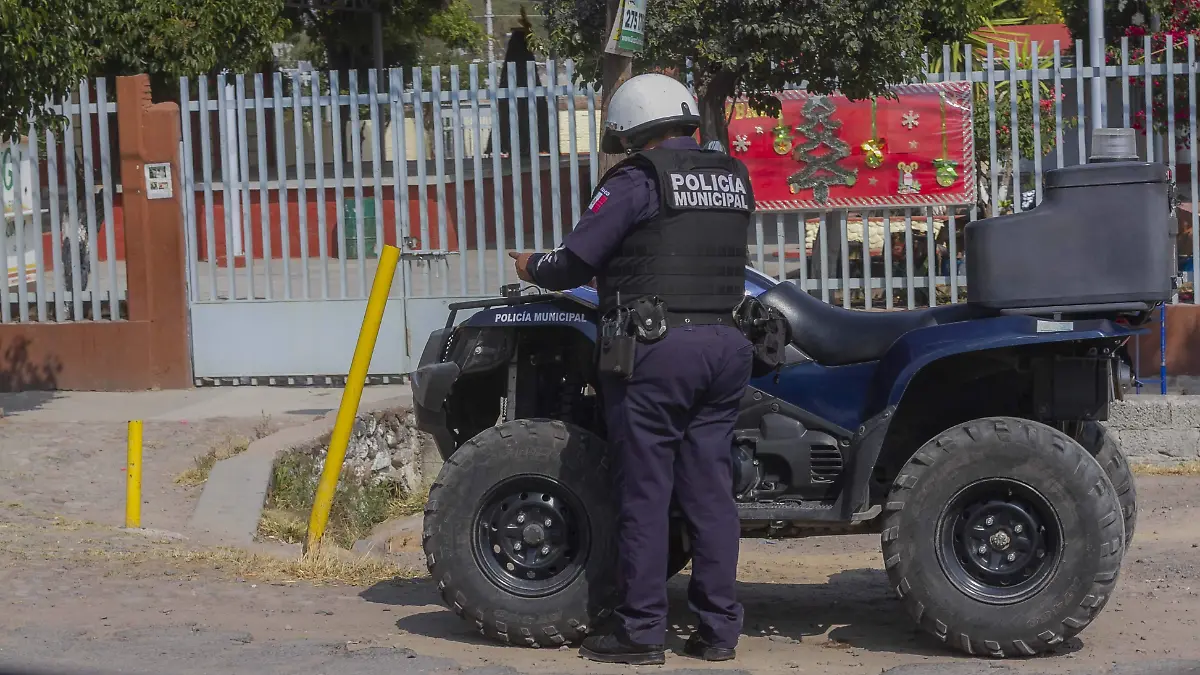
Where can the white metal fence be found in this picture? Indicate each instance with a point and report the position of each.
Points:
(61, 206)
(421, 139)
(298, 178)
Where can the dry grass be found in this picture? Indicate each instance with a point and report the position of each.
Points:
(320, 566)
(231, 446)
(282, 525)
(1181, 469)
(408, 505)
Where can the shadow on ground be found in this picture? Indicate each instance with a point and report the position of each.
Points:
(25, 401)
(857, 605)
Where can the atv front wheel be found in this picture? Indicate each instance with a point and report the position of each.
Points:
(1004, 537)
(519, 532)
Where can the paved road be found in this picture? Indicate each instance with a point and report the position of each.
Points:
(185, 405)
(184, 651)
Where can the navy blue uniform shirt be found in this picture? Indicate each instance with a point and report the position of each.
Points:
(627, 199)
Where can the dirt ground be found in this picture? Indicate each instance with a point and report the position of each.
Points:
(77, 592)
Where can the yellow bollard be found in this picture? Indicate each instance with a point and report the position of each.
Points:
(351, 396)
(133, 476)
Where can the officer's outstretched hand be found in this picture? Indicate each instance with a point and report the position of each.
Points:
(521, 263)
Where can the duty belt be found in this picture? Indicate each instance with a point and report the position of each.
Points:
(680, 319)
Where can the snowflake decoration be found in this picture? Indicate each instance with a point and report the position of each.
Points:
(910, 119)
(873, 180)
(741, 143)
(912, 145)
(759, 131)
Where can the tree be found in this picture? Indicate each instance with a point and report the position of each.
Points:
(411, 29)
(756, 47)
(947, 22)
(172, 38)
(45, 47)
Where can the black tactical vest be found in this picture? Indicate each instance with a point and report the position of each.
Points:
(693, 255)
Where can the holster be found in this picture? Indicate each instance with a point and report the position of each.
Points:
(616, 348)
(644, 320)
(767, 330)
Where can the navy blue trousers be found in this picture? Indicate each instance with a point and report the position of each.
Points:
(671, 429)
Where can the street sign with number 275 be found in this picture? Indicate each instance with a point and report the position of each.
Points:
(629, 32)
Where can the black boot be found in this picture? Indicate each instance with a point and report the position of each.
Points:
(698, 647)
(615, 649)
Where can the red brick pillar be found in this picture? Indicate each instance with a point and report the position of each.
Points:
(156, 267)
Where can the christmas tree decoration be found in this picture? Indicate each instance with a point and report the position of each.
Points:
(873, 146)
(741, 143)
(945, 169)
(783, 137)
(820, 152)
(908, 184)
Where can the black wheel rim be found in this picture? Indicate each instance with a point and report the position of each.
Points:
(999, 541)
(532, 536)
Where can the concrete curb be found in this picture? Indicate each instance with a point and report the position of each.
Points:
(231, 504)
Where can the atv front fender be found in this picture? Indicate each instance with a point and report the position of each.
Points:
(431, 385)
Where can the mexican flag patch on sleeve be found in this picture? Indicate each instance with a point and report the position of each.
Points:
(602, 196)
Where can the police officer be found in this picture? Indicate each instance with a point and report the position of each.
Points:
(670, 223)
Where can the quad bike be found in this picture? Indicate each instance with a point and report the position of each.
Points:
(968, 436)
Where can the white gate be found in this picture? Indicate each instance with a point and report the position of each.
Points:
(296, 180)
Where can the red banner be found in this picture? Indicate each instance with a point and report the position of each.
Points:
(826, 152)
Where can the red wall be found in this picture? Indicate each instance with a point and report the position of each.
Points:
(100, 245)
(386, 219)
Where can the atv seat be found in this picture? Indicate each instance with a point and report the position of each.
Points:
(835, 336)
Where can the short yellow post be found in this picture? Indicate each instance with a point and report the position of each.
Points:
(133, 476)
(351, 395)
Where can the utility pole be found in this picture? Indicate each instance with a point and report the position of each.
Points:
(616, 70)
(377, 30)
(491, 29)
(1096, 37)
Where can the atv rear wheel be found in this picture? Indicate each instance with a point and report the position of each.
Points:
(1102, 443)
(519, 532)
(1003, 537)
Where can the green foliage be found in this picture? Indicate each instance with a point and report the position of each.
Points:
(950, 21)
(45, 47)
(172, 38)
(755, 47)
(1042, 11)
(414, 31)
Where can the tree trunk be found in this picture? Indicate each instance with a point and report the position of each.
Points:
(617, 69)
(714, 94)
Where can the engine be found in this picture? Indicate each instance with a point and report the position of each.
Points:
(784, 460)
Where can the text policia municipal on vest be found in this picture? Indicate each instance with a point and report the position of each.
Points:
(692, 190)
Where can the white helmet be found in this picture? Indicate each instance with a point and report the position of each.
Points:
(644, 107)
